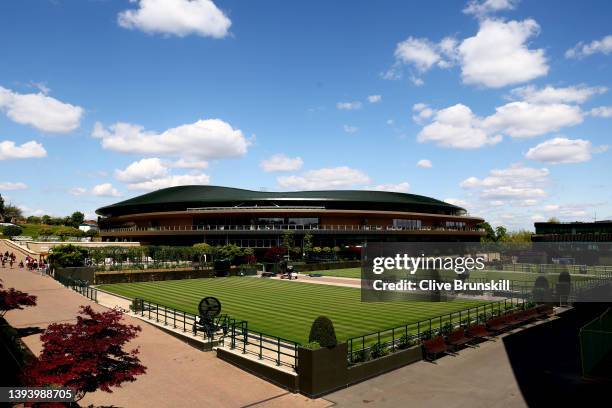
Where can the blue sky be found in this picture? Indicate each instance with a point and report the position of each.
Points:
(501, 106)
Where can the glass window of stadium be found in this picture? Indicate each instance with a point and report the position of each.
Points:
(310, 221)
(270, 221)
(407, 224)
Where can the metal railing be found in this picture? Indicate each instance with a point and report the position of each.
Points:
(604, 270)
(232, 332)
(79, 286)
(402, 336)
(285, 227)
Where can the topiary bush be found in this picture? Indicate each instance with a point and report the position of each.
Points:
(322, 331)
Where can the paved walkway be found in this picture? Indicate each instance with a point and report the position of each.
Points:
(480, 377)
(177, 375)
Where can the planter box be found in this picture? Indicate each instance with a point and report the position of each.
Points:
(322, 370)
(372, 368)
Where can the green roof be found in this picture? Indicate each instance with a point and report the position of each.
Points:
(203, 196)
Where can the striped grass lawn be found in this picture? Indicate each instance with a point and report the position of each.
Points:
(514, 276)
(287, 309)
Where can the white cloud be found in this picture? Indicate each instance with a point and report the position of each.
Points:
(602, 112)
(177, 17)
(498, 54)
(145, 169)
(105, 190)
(524, 119)
(40, 111)
(424, 164)
(549, 94)
(190, 164)
(7, 185)
(203, 140)
(422, 112)
(9, 150)
(78, 191)
(281, 162)
(374, 98)
(349, 105)
(416, 81)
(456, 201)
(581, 50)
(423, 54)
(481, 8)
(350, 129)
(515, 183)
(562, 150)
(457, 127)
(402, 187)
(171, 181)
(325, 178)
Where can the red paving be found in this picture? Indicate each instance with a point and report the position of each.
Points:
(177, 375)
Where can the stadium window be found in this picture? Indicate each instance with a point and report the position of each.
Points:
(406, 224)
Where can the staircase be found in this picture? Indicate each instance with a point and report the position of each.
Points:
(19, 251)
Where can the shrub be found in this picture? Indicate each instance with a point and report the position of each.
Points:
(361, 356)
(379, 350)
(68, 255)
(11, 230)
(446, 329)
(405, 342)
(322, 331)
(426, 334)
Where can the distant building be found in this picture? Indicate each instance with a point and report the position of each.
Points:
(599, 231)
(88, 225)
(185, 215)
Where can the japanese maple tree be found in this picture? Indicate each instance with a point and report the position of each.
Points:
(11, 299)
(87, 355)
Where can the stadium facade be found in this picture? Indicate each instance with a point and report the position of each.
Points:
(186, 215)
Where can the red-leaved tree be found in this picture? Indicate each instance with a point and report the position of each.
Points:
(87, 355)
(12, 299)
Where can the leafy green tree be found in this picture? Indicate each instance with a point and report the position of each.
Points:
(76, 219)
(12, 213)
(64, 232)
(307, 243)
(45, 231)
(68, 255)
(229, 251)
(32, 219)
(490, 237)
(287, 241)
(1, 207)
(501, 234)
(46, 219)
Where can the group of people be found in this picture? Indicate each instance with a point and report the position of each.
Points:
(32, 264)
(7, 258)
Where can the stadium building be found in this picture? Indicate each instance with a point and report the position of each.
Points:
(186, 215)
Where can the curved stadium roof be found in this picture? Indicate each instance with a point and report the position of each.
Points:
(183, 197)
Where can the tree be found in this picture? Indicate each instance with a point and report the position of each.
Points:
(229, 251)
(45, 231)
(287, 239)
(68, 255)
(12, 299)
(12, 213)
(307, 243)
(33, 219)
(64, 232)
(501, 234)
(553, 220)
(87, 355)
(11, 230)
(490, 237)
(76, 219)
(1, 207)
(274, 254)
